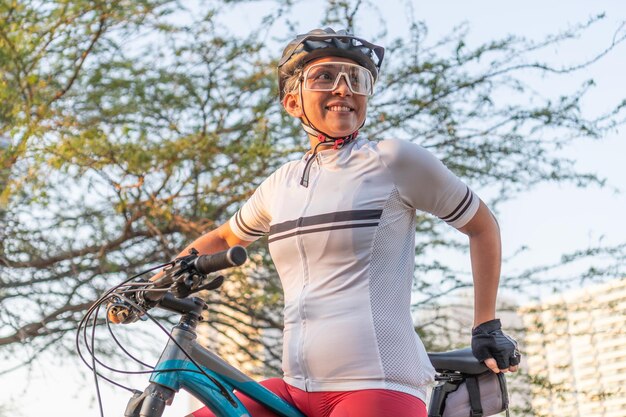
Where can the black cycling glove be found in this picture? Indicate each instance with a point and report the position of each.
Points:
(488, 341)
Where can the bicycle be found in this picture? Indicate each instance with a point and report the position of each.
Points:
(185, 364)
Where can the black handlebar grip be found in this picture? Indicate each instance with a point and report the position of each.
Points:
(235, 256)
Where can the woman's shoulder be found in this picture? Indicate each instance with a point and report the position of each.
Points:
(394, 151)
(289, 165)
(283, 172)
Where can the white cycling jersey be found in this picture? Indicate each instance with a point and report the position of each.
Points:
(344, 248)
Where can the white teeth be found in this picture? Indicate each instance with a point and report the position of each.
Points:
(339, 108)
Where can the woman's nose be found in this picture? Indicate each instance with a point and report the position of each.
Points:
(343, 88)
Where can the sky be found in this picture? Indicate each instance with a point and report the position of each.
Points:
(549, 219)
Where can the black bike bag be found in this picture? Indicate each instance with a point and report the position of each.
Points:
(465, 389)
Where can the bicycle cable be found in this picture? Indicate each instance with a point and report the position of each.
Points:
(92, 352)
(121, 346)
(82, 327)
(200, 370)
(93, 310)
(117, 342)
(93, 357)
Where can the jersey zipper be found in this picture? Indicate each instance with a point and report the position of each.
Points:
(305, 280)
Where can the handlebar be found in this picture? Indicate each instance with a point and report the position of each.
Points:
(235, 256)
(186, 275)
(131, 299)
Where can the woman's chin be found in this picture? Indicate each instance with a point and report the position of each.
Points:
(340, 131)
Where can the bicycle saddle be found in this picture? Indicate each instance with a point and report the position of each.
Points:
(460, 360)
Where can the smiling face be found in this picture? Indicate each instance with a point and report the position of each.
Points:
(337, 113)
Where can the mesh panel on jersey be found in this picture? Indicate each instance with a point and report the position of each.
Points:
(403, 357)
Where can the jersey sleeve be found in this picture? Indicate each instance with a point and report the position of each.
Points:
(252, 220)
(425, 183)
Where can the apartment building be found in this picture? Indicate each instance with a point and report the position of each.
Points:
(576, 352)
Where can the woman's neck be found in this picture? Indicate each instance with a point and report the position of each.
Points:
(313, 140)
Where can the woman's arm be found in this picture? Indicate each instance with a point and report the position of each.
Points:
(216, 240)
(486, 256)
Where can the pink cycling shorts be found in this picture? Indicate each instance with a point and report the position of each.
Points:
(362, 403)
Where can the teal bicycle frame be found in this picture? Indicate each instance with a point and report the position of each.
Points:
(185, 364)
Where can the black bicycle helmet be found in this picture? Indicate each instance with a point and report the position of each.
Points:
(319, 43)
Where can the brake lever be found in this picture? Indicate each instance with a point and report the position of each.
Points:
(184, 284)
(178, 267)
(195, 283)
(214, 284)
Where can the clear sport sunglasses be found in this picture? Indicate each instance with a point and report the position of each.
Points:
(325, 77)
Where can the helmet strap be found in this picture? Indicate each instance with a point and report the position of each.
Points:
(322, 138)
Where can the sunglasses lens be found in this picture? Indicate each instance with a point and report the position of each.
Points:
(326, 77)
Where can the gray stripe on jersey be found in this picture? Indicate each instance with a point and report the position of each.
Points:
(337, 216)
(322, 229)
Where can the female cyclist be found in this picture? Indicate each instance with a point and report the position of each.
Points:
(341, 230)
